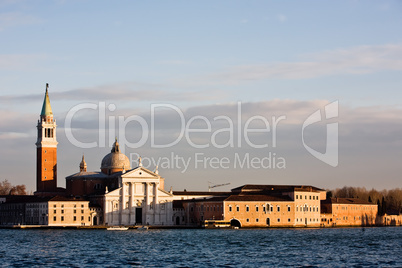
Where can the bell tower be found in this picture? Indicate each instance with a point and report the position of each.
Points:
(46, 150)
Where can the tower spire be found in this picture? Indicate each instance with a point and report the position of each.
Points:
(46, 108)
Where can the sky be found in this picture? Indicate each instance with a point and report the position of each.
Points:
(230, 88)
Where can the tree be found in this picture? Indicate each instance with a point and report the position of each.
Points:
(7, 189)
(387, 200)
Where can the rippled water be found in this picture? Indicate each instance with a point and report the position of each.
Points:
(343, 247)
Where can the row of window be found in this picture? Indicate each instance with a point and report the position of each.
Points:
(36, 205)
(62, 205)
(62, 211)
(311, 220)
(306, 209)
(74, 218)
(357, 208)
(48, 133)
(305, 197)
(264, 209)
(208, 208)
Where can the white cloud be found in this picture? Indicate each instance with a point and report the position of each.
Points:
(356, 60)
(128, 91)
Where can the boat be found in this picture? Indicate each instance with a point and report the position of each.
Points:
(209, 224)
(143, 228)
(117, 228)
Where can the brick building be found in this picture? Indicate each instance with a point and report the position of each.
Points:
(348, 212)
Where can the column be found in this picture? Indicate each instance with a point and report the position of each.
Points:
(156, 204)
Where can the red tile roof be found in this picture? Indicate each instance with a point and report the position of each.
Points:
(257, 198)
(335, 200)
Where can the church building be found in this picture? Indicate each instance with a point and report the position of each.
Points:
(126, 196)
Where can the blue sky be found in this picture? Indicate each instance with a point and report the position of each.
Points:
(194, 54)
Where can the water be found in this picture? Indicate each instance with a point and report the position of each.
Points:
(341, 247)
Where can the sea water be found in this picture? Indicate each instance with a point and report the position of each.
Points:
(331, 247)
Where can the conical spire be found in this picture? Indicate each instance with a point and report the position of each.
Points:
(46, 108)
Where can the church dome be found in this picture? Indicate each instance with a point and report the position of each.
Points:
(115, 161)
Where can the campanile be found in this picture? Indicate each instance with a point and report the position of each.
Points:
(46, 150)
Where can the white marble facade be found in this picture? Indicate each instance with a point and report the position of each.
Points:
(139, 200)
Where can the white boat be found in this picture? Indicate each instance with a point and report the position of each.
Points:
(117, 228)
(143, 228)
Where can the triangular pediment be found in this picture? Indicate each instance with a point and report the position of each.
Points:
(115, 192)
(139, 172)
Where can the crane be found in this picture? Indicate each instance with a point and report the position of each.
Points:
(215, 185)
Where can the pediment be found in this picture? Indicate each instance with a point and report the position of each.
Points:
(115, 192)
(140, 172)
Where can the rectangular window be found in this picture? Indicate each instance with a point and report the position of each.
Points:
(54, 206)
(256, 208)
(279, 220)
(247, 209)
(82, 218)
(62, 211)
(75, 218)
(279, 208)
(297, 197)
(230, 208)
(82, 205)
(75, 211)
(256, 220)
(272, 208)
(82, 211)
(237, 209)
(54, 211)
(310, 197)
(62, 218)
(247, 220)
(54, 218)
(263, 209)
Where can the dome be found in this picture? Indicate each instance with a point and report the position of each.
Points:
(115, 161)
